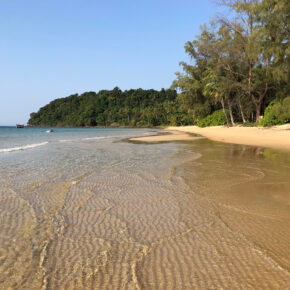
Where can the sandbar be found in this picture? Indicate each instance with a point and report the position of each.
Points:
(277, 137)
(168, 136)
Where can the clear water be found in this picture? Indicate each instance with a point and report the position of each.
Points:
(29, 137)
(82, 209)
(32, 155)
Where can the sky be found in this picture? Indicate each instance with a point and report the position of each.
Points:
(52, 49)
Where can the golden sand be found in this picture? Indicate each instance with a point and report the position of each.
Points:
(167, 137)
(275, 137)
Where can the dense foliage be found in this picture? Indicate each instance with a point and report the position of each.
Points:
(216, 119)
(114, 108)
(277, 113)
(241, 62)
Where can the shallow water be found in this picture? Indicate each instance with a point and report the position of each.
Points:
(244, 198)
(107, 214)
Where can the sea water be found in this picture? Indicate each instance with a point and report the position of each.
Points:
(79, 201)
(13, 139)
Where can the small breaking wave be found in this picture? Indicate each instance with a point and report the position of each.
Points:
(66, 140)
(93, 138)
(29, 146)
(81, 139)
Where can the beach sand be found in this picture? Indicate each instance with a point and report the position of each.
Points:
(166, 137)
(275, 137)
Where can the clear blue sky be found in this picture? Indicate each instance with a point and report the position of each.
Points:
(54, 48)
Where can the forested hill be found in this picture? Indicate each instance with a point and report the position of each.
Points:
(113, 108)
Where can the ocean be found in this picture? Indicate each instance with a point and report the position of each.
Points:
(83, 208)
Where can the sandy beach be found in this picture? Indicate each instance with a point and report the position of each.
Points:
(275, 137)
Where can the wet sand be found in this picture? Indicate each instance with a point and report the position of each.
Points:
(167, 136)
(246, 194)
(192, 215)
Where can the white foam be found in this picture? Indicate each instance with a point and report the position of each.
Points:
(67, 140)
(29, 146)
(93, 138)
(80, 139)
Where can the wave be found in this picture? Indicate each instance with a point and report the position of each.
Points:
(29, 146)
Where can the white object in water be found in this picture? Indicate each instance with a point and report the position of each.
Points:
(50, 131)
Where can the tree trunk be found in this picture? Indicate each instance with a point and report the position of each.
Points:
(224, 110)
(258, 111)
(231, 113)
(241, 110)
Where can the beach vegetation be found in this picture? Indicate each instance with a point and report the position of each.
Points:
(240, 62)
(277, 113)
(136, 108)
(217, 118)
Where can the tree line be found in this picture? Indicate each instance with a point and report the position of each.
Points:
(240, 64)
(137, 108)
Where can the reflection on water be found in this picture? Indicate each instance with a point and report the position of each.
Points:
(249, 188)
(114, 215)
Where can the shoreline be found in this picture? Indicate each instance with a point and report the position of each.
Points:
(277, 137)
(242, 194)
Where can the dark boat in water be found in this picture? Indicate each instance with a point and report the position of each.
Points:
(50, 131)
(19, 126)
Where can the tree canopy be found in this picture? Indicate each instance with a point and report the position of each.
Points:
(241, 63)
(138, 108)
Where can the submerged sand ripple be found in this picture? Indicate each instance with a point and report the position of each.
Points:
(209, 217)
